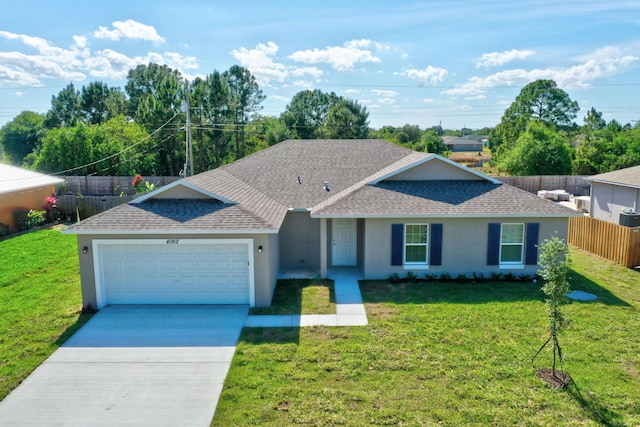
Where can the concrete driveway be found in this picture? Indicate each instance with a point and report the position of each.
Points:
(133, 366)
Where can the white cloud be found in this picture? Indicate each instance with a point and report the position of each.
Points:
(428, 101)
(352, 91)
(500, 58)
(280, 98)
(386, 101)
(129, 29)
(385, 93)
(432, 75)
(341, 58)
(312, 71)
(260, 62)
(303, 83)
(600, 63)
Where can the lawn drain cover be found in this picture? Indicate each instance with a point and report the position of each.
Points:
(581, 296)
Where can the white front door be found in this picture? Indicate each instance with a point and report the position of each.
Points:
(344, 249)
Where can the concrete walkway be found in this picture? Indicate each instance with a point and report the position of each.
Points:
(349, 306)
(142, 366)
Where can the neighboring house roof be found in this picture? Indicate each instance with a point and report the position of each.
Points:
(14, 179)
(463, 140)
(629, 177)
(365, 178)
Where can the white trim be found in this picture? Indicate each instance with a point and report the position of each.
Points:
(181, 183)
(511, 267)
(413, 264)
(447, 216)
(97, 266)
(167, 232)
(515, 264)
(436, 157)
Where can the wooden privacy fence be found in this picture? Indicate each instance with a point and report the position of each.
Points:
(109, 185)
(577, 185)
(611, 241)
(72, 206)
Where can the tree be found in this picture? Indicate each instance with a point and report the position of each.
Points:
(115, 147)
(540, 100)
(307, 113)
(99, 102)
(245, 97)
(65, 108)
(347, 120)
(593, 121)
(156, 95)
(21, 136)
(538, 151)
(553, 269)
(433, 143)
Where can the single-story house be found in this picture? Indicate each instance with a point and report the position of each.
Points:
(464, 143)
(615, 196)
(226, 235)
(23, 189)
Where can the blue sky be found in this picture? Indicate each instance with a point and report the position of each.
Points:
(460, 63)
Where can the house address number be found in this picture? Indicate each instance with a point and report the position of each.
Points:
(173, 241)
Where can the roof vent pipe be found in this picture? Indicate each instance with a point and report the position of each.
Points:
(326, 186)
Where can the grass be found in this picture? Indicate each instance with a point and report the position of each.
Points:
(301, 296)
(448, 354)
(40, 301)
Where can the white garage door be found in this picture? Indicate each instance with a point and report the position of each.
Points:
(173, 271)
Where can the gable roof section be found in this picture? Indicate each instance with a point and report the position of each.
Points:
(167, 216)
(628, 177)
(455, 198)
(13, 179)
(162, 192)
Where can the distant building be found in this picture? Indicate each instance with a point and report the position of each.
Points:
(464, 143)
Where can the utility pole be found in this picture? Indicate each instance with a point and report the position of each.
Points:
(188, 163)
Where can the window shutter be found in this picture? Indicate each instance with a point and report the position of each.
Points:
(435, 246)
(531, 249)
(493, 244)
(397, 242)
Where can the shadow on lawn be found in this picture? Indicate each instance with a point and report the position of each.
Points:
(258, 336)
(597, 412)
(288, 297)
(473, 292)
(80, 321)
(580, 282)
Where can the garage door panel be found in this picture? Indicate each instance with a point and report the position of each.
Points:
(206, 273)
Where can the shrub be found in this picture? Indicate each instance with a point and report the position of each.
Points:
(4, 229)
(495, 276)
(462, 278)
(430, 277)
(36, 217)
(411, 277)
(524, 277)
(479, 277)
(445, 278)
(22, 219)
(509, 277)
(394, 278)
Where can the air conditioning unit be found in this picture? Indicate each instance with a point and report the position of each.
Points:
(630, 219)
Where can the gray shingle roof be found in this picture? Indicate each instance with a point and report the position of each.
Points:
(441, 198)
(628, 176)
(180, 215)
(14, 179)
(264, 187)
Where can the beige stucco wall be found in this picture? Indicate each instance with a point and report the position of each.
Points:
(464, 245)
(299, 242)
(607, 201)
(434, 170)
(26, 199)
(265, 263)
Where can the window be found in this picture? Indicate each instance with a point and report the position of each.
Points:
(415, 243)
(511, 243)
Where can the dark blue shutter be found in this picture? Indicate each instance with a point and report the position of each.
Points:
(531, 246)
(435, 250)
(397, 243)
(493, 244)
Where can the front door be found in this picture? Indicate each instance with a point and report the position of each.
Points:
(344, 240)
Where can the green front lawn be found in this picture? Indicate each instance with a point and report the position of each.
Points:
(447, 354)
(40, 301)
(301, 296)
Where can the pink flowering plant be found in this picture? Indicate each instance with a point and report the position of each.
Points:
(49, 204)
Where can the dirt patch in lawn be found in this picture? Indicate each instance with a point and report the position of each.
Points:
(558, 380)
